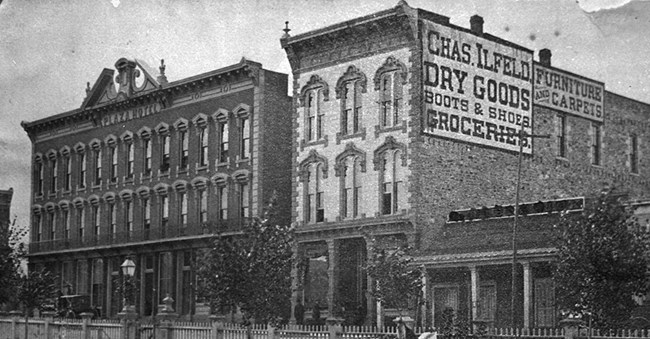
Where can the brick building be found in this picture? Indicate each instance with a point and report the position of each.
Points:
(5, 206)
(406, 130)
(150, 170)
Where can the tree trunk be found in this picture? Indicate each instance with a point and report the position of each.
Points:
(26, 327)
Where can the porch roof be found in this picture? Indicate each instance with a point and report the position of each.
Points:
(485, 258)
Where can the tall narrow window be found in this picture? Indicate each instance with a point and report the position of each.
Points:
(351, 115)
(203, 205)
(315, 209)
(81, 223)
(314, 115)
(98, 166)
(164, 211)
(223, 143)
(222, 191)
(113, 173)
(130, 160)
(390, 99)
(82, 170)
(634, 153)
(147, 156)
(52, 226)
(55, 169)
(39, 178)
(182, 201)
(244, 200)
(351, 188)
(38, 221)
(65, 215)
(203, 147)
(97, 221)
(67, 184)
(184, 149)
(595, 144)
(146, 217)
(164, 156)
(128, 216)
(392, 183)
(245, 138)
(561, 136)
(112, 214)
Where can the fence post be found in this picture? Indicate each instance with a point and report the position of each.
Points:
(334, 327)
(571, 327)
(403, 323)
(129, 325)
(217, 326)
(167, 317)
(270, 331)
(48, 318)
(15, 315)
(86, 316)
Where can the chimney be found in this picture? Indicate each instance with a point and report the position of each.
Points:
(476, 24)
(545, 57)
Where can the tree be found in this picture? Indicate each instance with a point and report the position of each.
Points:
(398, 283)
(12, 252)
(602, 262)
(34, 291)
(250, 271)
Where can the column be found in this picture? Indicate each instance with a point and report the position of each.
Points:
(332, 273)
(294, 282)
(475, 286)
(527, 293)
(371, 309)
(423, 310)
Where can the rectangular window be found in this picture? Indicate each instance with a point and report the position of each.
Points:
(164, 156)
(52, 226)
(164, 211)
(634, 154)
(487, 302)
(184, 149)
(82, 276)
(203, 147)
(113, 173)
(390, 99)
(146, 217)
(113, 222)
(312, 112)
(351, 108)
(166, 274)
(320, 207)
(223, 202)
(223, 143)
(97, 220)
(98, 167)
(182, 198)
(387, 202)
(97, 278)
(54, 176)
(245, 201)
(82, 170)
(68, 173)
(245, 138)
(81, 223)
(147, 156)
(561, 136)
(38, 221)
(595, 144)
(66, 221)
(130, 160)
(203, 206)
(128, 216)
(544, 302)
(39, 178)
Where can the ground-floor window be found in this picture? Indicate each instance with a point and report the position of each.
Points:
(445, 304)
(544, 303)
(487, 301)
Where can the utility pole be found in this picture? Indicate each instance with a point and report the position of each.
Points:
(522, 135)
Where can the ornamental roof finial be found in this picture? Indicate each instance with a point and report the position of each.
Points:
(286, 30)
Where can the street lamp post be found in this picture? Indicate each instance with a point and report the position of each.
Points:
(128, 269)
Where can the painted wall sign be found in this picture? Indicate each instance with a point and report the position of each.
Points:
(476, 90)
(134, 113)
(568, 93)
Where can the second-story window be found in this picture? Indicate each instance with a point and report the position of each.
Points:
(54, 175)
(351, 191)
(184, 143)
(113, 154)
(314, 115)
(164, 211)
(38, 221)
(128, 217)
(98, 166)
(222, 192)
(596, 143)
(203, 146)
(39, 178)
(146, 215)
(244, 202)
(52, 226)
(351, 107)
(146, 145)
(203, 205)
(223, 143)
(634, 153)
(392, 184)
(561, 136)
(97, 219)
(390, 98)
(65, 215)
(164, 156)
(182, 206)
(81, 223)
(82, 170)
(67, 180)
(245, 138)
(315, 200)
(130, 159)
(112, 214)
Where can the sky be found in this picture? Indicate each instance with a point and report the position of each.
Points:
(49, 50)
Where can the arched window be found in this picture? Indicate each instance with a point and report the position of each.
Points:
(351, 190)
(392, 182)
(389, 80)
(312, 96)
(313, 172)
(349, 88)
